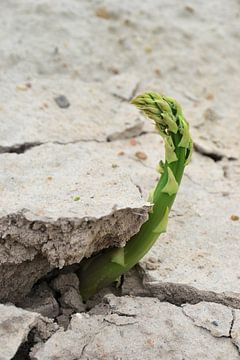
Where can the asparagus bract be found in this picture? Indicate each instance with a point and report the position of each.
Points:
(102, 269)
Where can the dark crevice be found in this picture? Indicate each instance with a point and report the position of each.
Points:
(123, 314)
(118, 324)
(22, 148)
(232, 322)
(25, 348)
(77, 141)
(144, 132)
(225, 171)
(215, 156)
(235, 344)
(179, 294)
(231, 158)
(52, 274)
(19, 149)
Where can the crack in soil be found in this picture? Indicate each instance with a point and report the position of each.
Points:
(232, 323)
(24, 147)
(180, 293)
(214, 155)
(19, 149)
(230, 331)
(211, 154)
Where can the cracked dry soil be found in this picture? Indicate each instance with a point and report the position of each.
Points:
(183, 300)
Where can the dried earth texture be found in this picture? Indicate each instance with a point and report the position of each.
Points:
(77, 162)
(121, 328)
(20, 329)
(59, 204)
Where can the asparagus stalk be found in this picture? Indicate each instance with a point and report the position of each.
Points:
(102, 269)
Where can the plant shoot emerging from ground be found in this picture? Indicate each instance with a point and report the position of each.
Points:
(102, 269)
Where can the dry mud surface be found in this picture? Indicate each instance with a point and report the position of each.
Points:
(72, 181)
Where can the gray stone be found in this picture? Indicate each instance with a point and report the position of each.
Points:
(132, 284)
(135, 328)
(65, 281)
(97, 298)
(71, 299)
(62, 101)
(41, 222)
(67, 311)
(17, 280)
(45, 329)
(15, 325)
(63, 321)
(42, 301)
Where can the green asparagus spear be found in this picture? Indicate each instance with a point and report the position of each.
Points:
(102, 269)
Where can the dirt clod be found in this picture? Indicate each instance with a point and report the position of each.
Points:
(141, 155)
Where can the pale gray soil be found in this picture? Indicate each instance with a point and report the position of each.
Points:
(71, 181)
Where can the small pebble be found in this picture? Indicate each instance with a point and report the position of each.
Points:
(103, 13)
(189, 9)
(62, 101)
(225, 193)
(234, 217)
(151, 266)
(133, 141)
(121, 153)
(150, 342)
(45, 105)
(141, 155)
(114, 70)
(210, 96)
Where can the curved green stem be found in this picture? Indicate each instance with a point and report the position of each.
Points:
(104, 268)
